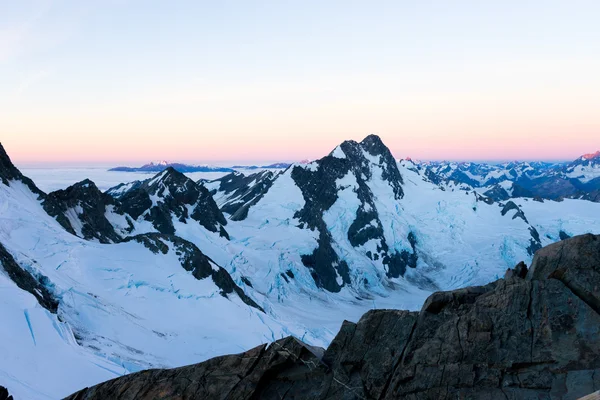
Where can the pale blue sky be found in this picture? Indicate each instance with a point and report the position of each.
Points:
(199, 80)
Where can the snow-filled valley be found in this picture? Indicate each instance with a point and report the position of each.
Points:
(176, 269)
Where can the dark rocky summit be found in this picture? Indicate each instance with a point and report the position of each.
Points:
(82, 210)
(4, 395)
(8, 172)
(533, 335)
(175, 196)
(167, 196)
(319, 185)
(87, 203)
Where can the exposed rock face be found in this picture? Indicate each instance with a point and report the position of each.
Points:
(238, 192)
(170, 195)
(286, 368)
(4, 394)
(321, 182)
(84, 206)
(8, 172)
(82, 209)
(576, 263)
(497, 193)
(37, 286)
(518, 338)
(512, 206)
(535, 242)
(193, 260)
(519, 271)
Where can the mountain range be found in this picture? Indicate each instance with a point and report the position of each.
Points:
(543, 180)
(169, 271)
(160, 166)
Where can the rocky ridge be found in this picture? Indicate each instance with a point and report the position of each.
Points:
(194, 261)
(533, 335)
(351, 163)
(82, 210)
(169, 195)
(237, 192)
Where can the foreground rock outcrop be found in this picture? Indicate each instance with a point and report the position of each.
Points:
(529, 336)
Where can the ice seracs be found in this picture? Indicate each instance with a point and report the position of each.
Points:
(167, 271)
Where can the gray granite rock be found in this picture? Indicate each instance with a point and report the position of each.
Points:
(533, 335)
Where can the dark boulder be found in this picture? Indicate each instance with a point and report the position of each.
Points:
(519, 271)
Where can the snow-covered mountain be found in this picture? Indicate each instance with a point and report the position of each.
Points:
(235, 193)
(275, 166)
(585, 169)
(555, 181)
(160, 166)
(167, 271)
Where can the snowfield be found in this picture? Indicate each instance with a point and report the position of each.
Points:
(123, 307)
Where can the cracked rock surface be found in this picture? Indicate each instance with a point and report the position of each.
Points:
(536, 337)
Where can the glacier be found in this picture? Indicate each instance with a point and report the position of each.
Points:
(123, 307)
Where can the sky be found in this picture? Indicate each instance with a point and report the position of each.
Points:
(118, 81)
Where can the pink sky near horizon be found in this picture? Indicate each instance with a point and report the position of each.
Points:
(451, 147)
(240, 82)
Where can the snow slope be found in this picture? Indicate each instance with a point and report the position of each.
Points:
(128, 307)
(124, 307)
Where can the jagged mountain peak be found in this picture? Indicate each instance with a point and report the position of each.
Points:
(85, 190)
(85, 185)
(371, 150)
(155, 163)
(168, 196)
(591, 156)
(81, 210)
(7, 169)
(360, 173)
(374, 145)
(3, 156)
(9, 172)
(169, 174)
(171, 182)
